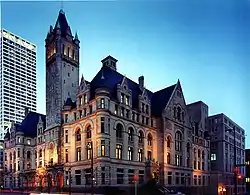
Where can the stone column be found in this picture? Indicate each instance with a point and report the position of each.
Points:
(135, 148)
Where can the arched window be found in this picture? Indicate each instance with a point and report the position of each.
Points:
(150, 140)
(178, 140)
(14, 154)
(10, 156)
(130, 134)
(179, 113)
(199, 153)
(194, 152)
(78, 135)
(203, 155)
(169, 142)
(119, 130)
(141, 136)
(28, 154)
(88, 131)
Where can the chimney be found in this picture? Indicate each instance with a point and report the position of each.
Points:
(26, 111)
(141, 82)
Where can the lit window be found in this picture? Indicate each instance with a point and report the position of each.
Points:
(213, 157)
(28, 141)
(247, 179)
(78, 154)
(140, 154)
(102, 103)
(118, 152)
(103, 148)
(130, 153)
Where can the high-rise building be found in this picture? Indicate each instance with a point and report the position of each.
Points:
(17, 79)
(221, 129)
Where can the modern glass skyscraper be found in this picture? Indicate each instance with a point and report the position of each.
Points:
(17, 79)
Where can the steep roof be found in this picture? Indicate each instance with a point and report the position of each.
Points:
(29, 125)
(62, 24)
(109, 78)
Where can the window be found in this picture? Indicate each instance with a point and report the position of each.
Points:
(178, 140)
(141, 137)
(102, 147)
(179, 113)
(102, 103)
(89, 150)
(149, 155)
(116, 109)
(150, 139)
(140, 154)
(118, 152)
(178, 160)
(78, 154)
(130, 153)
(78, 135)
(80, 100)
(102, 125)
(168, 158)
(28, 154)
(127, 100)
(130, 134)
(119, 129)
(122, 98)
(66, 138)
(213, 157)
(168, 141)
(18, 140)
(66, 155)
(88, 131)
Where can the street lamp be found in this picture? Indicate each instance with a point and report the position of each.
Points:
(90, 146)
(235, 158)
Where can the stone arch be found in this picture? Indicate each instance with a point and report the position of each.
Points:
(76, 128)
(119, 128)
(169, 140)
(87, 123)
(121, 122)
(141, 130)
(177, 133)
(130, 125)
(150, 138)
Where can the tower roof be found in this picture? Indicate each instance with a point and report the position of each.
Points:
(62, 23)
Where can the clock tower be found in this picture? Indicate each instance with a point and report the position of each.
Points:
(62, 69)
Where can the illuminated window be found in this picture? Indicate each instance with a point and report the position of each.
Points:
(247, 179)
(102, 103)
(102, 147)
(130, 134)
(130, 153)
(118, 151)
(140, 153)
(178, 160)
(88, 131)
(213, 157)
(78, 154)
(89, 150)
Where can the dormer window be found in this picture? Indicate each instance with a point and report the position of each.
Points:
(122, 98)
(85, 100)
(127, 100)
(179, 113)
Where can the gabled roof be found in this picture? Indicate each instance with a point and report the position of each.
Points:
(29, 125)
(160, 99)
(109, 78)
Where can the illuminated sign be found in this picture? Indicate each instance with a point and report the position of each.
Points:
(18, 40)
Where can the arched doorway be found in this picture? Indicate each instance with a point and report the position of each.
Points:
(59, 180)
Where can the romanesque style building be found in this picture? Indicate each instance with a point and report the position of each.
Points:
(111, 124)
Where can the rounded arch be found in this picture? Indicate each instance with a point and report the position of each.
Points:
(130, 125)
(77, 128)
(141, 131)
(87, 123)
(149, 138)
(178, 135)
(169, 140)
(119, 122)
(149, 133)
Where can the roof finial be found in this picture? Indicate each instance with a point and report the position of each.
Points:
(61, 10)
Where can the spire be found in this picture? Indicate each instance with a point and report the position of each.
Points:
(76, 36)
(62, 24)
(61, 12)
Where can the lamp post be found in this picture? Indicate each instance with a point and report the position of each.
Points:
(90, 146)
(235, 158)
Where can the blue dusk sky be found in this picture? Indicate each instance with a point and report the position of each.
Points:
(206, 44)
